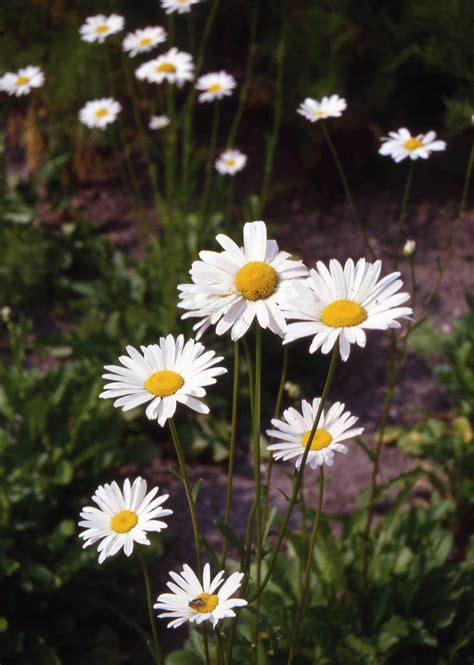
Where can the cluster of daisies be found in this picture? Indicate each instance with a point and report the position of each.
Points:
(230, 290)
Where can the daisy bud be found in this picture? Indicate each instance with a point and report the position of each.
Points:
(409, 248)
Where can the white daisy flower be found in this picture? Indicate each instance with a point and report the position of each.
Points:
(294, 430)
(400, 145)
(143, 40)
(232, 287)
(339, 303)
(100, 112)
(216, 85)
(167, 373)
(195, 602)
(98, 28)
(21, 82)
(174, 66)
(328, 107)
(230, 162)
(159, 121)
(123, 517)
(180, 6)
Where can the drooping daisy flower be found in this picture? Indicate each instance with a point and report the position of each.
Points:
(195, 602)
(180, 6)
(174, 66)
(232, 287)
(328, 107)
(339, 303)
(158, 121)
(143, 40)
(124, 517)
(294, 430)
(98, 28)
(216, 85)
(231, 162)
(21, 82)
(100, 112)
(400, 145)
(167, 373)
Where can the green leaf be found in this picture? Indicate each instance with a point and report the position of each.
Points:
(196, 489)
(230, 535)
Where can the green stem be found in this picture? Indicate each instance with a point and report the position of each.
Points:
(244, 91)
(403, 212)
(233, 438)
(256, 467)
(299, 475)
(209, 164)
(273, 139)
(220, 647)
(248, 357)
(188, 491)
(187, 144)
(276, 413)
(157, 652)
(456, 228)
(347, 191)
(307, 572)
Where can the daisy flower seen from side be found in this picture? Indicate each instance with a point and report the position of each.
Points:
(342, 302)
(21, 82)
(400, 145)
(143, 40)
(328, 107)
(163, 375)
(123, 517)
(195, 602)
(99, 113)
(216, 85)
(294, 430)
(98, 28)
(232, 288)
(159, 122)
(180, 6)
(175, 67)
(230, 162)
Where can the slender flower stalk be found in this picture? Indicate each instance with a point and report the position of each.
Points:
(457, 225)
(276, 414)
(307, 572)
(233, 438)
(256, 469)
(157, 652)
(403, 212)
(244, 90)
(278, 106)
(298, 477)
(347, 191)
(188, 491)
(209, 163)
(188, 113)
(396, 361)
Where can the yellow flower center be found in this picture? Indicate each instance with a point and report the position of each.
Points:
(412, 143)
(124, 521)
(166, 67)
(101, 113)
(164, 383)
(320, 114)
(230, 163)
(21, 80)
(321, 439)
(215, 87)
(343, 314)
(145, 41)
(204, 603)
(102, 28)
(256, 280)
